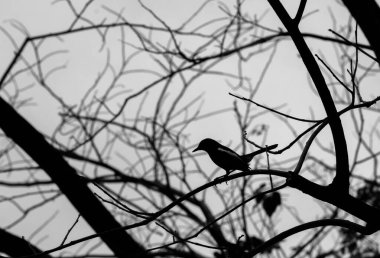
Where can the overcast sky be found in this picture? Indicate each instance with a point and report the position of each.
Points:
(83, 57)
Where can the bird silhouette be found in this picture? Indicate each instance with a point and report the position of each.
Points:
(226, 158)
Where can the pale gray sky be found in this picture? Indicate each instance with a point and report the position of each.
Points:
(84, 56)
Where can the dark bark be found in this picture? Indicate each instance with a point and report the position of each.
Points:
(15, 246)
(367, 15)
(66, 178)
(344, 201)
(341, 179)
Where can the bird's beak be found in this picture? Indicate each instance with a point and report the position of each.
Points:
(196, 149)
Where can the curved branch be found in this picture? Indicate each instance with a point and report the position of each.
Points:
(341, 179)
(169, 207)
(309, 225)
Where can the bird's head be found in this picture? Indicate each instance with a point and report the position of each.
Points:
(206, 144)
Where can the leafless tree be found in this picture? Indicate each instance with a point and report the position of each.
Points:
(118, 132)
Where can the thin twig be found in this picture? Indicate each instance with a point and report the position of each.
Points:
(69, 231)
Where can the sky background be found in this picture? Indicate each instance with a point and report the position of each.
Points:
(82, 55)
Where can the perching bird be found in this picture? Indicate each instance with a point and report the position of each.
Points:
(226, 158)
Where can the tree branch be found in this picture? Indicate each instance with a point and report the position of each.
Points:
(66, 178)
(305, 226)
(341, 179)
(14, 246)
(300, 11)
(367, 15)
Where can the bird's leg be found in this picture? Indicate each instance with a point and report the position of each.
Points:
(221, 177)
(226, 175)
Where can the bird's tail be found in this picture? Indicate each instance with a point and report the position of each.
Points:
(249, 157)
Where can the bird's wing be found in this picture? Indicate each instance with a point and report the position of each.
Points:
(249, 157)
(228, 151)
(227, 159)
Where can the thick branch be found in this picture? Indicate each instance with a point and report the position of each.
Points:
(301, 9)
(66, 178)
(15, 246)
(367, 15)
(341, 180)
(344, 201)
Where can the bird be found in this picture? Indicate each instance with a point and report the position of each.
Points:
(226, 158)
